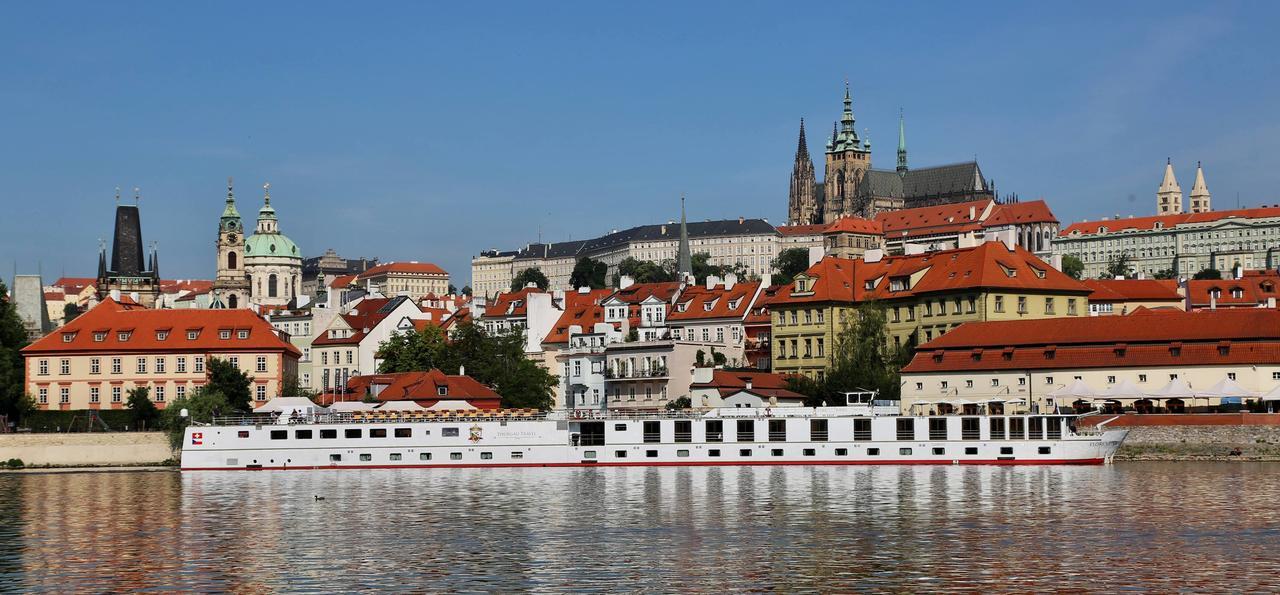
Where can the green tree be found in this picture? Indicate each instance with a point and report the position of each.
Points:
(645, 271)
(1166, 274)
(453, 289)
(495, 360)
(292, 387)
(227, 380)
(1073, 266)
(680, 403)
(815, 392)
(202, 405)
(588, 272)
(1208, 274)
(14, 402)
(466, 290)
(69, 312)
(527, 276)
(1120, 265)
(789, 263)
(861, 358)
(702, 268)
(140, 405)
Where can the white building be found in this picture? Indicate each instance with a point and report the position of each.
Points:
(348, 346)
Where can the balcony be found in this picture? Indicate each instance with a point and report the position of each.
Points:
(637, 374)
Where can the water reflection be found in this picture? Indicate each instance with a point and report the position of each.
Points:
(1184, 526)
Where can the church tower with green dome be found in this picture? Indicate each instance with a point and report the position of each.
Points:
(272, 261)
(230, 284)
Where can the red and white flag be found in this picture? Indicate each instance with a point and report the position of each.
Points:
(197, 438)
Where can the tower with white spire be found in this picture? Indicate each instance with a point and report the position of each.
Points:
(1200, 193)
(1169, 196)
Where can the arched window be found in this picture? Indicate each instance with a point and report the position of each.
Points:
(271, 285)
(232, 302)
(231, 260)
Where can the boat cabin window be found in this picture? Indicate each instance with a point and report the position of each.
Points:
(937, 428)
(335, 458)
(377, 432)
(997, 428)
(486, 456)
(1006, 450)
(243, 433)
(809, 452)
(684, 430)
(588, 454)
(619, 427)
(591, 433)
(971, 450)
(328, 434)
(938, 450)
(682, 453)
(777, 430)
(842, 452)
(366, 457)
(395, 456)
(715, 431)
(969, 429)
(873, 452)
(817, 430)
(652, 431)
(449, 432)
(652, 454)
(424, 456)
(906, 429)
(715, 452)
(620, 454)
(353, 432)
(302, 434)
(1036, 429)
(1055, 428)
(404, 432)
(904, 451)
(862, 429)
(746, 431)
(777, 452)
(1044, 450)
(455, 456)
(745, 452)
(517, 454)
(1017, 428)
(279, 434)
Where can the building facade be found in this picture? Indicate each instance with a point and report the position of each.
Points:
(95, 360)
(851, 187)
(1025, 360)
(414, 279)
(348, 346)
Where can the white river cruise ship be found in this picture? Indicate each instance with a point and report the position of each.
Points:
(856, 435)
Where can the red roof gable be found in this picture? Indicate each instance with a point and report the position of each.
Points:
(802, 230)
(1121, 290)
(763, 384)
(760, 310)
(514, 304)
(402, 267)
(855, 225)
(948, 218)
(1253, 287)
(343, 281)
(699, 303)
(143, 327)
(1035, 211)
(365, 315)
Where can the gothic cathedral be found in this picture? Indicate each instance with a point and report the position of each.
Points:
(850, 186)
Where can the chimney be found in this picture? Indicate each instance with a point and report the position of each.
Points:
(625, 281)
(712, 281)
(462, 370)
(740, 220)
(973, 213)
(584, 290)
(748, 384)
(873, 255)
(730, 280)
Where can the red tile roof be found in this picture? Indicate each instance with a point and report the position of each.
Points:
(1167, 221)
(581, 309)
(403, 267)
(1138, 290)
(1254, 287)
(700, 303)
(414, 386)
(764, 384)
(514, 304)
(365, 315)
(640, 292)
(343, 281)
(1034, 211)
(760, 310)
(185, 285)
(54, 296)
(74, 284)
(1144, 338)
(951, 218)
(855, 225)
(110, 317)
(802, 230)
(989, 265)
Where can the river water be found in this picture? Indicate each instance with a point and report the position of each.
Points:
(1157, 527)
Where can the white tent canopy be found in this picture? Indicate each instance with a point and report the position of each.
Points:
(451, 405)
(1225, 388)
(289, 405)
(1123, 390)
(401, 406)
(1272, 395)
(346, 406)
(1078, 389)
(1176, 389)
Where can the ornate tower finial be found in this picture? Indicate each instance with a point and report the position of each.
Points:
(117, 195)
(902, 143)
(137, 196)
(266, 191)
(231, 197)
(802, 148)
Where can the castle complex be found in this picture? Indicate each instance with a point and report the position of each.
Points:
(850, 187)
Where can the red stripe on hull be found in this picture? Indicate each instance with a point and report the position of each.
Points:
(655, 464)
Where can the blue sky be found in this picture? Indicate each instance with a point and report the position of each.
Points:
(416, 131)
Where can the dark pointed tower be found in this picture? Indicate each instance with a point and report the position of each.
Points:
(802, 202)
(128, 274)
(902, 144)
(684, 259)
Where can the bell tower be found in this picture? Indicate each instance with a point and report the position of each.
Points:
(230, 285)
(848, 160)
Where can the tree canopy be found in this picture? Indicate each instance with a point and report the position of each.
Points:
(140, 405)
(202, 405)
(14, 402)
(496, 360)
(789, 263)
(1120, 265)
(233, 384)
(702, 268)
(589, 273)
(1208, 274)
(1073, 266)
(646, 271)
(527, 276)
(1166, 274)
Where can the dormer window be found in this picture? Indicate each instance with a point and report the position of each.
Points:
(224, 334)
(162, 335)
(68, 337)
(1236, 292)
(706, 306)
(99, 336)
(123, 336)
(1039, 272)
(898, 283)
(193, 334)
(242, 334)
(442, 390)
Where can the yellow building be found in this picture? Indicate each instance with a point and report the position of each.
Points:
(924, 296)
(95, 360)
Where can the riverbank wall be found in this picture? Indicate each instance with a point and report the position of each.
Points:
(88, 449)
(1198, 437)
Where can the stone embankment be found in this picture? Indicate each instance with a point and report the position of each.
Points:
(92, 449)
(1199, 437)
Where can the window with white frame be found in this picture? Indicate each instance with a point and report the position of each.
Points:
(180, 391)
(141, 365)
(95, 365)
(115, 365)
(181, 365)
(159, 393)
(42, 395)
(42, 367)
(261, 364)
(64, 394)
(94, 394)
(262, 392)
(64, 366)
(115, 394)
(199, 364)
(160, 365)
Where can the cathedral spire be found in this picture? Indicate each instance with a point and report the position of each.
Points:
(1169, 196)
(902, 144)
(684, 260)
(1200, 193)
(802, 149)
